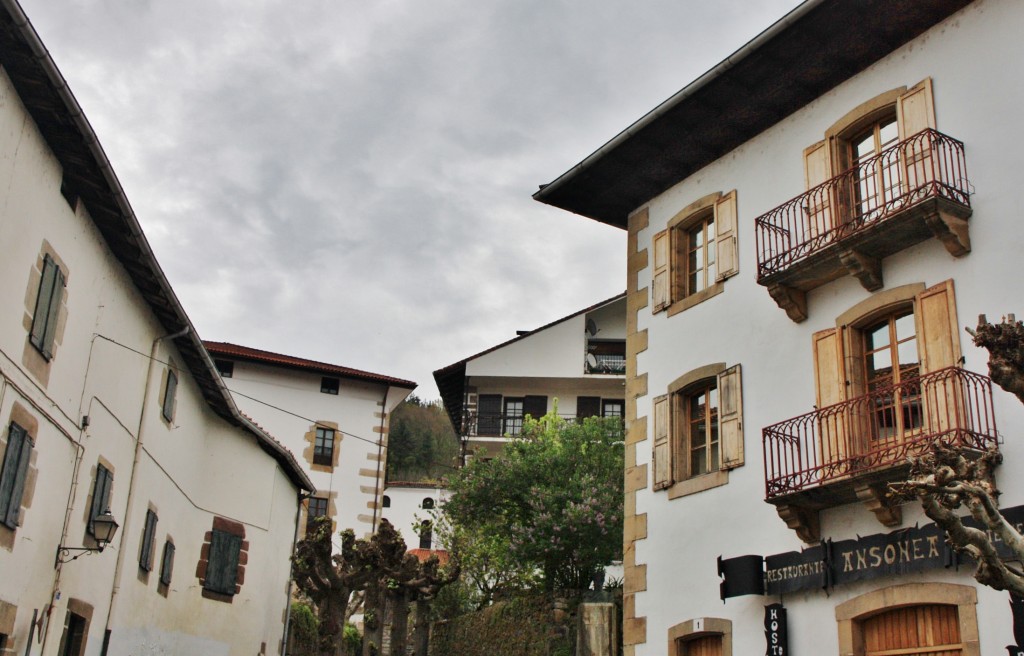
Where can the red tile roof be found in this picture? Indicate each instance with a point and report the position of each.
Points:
(425, 554)
(226, 349)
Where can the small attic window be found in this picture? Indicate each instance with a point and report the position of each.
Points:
(225, 367)
(329, 385)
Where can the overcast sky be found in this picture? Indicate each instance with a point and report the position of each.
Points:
(351, 182)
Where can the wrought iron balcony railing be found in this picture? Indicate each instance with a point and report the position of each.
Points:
(497, 425)
(928, 165)
(951, 406)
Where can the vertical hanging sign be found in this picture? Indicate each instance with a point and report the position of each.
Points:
(776, 632)
(1017, 608)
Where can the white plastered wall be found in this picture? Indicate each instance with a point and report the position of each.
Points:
(967, 58)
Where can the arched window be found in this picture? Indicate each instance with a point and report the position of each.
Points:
(387, 501)
(427, 504)
(426, 534)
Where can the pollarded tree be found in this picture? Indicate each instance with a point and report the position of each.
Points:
(329, 580)
(554, 496)
(949, 479)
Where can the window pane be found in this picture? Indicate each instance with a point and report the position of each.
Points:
(905, 327)
(908, 353)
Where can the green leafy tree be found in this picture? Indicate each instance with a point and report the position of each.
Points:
(421, 442)
(553, 498)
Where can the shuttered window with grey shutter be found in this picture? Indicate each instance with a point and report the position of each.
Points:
(44, 319)
(587, 406)
(13, 474)
(489, 415)
(535, 406)
(100, 496)
(148, 533)
(222, 567)
(167, 563)
(169, 391)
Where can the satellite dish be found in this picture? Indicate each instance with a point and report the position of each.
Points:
(591, 362)
(592, 328)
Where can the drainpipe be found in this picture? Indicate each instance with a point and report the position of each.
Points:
(291, 569)
(119, 568)
(378, 495)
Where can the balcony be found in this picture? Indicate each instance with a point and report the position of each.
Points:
(500, 425)
(605, 357)
(849, 451)
(909, 192)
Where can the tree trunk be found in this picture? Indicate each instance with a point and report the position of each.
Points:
(373, 620)
(332, 624)
(399, 622)
(421, 632)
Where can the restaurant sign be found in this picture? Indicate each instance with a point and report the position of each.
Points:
(829, 563)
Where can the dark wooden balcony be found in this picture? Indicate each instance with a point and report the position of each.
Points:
(850, 451)
(910, 192)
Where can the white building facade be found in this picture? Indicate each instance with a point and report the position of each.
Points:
(834, 206)
(334, 418)
(111, 408)
(410, 508)
(578, 360)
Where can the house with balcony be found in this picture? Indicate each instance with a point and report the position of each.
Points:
(140, 510)
(335, 418)
(580, 360)
(811, 226)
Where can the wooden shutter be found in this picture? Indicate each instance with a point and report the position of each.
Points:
(100, 495)
(819, 210)
(488, 414)
(662, 444)
(915, 111)
(661, 280)
(13, 474)
(535, 406)
(730, 416)
(938, 344)
(726, 249)
(169, 391)
(938, 337)
(587, 406)
(44, 320)
(709, 645)
(148, 533)
(931, 629)
(222, 566)
(830, 388)
(167, 563)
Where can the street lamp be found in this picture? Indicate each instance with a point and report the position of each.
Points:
(104, 528)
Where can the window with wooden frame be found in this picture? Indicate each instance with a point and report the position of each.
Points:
(876, 353)
(854, 142)
(696, 252)
(226, 368)
(148, 537)
(14, 474)
(48, 301)
(330, 385)
(323, 446)
(316, 507)
(101, 491)
(73, 639)
(613, 408)
(513, 416)
(698, 428)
